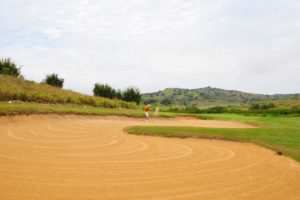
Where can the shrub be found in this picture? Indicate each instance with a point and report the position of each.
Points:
(254, 106)
(217, 109)
(174, 109)
(263, 106)
(267, 106)
(166, 102)
(104, 90)
(54, 80)
(132, 94)
(194, 110)
(8, 67)
(191, 109)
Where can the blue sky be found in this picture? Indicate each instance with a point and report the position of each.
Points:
(252, 46)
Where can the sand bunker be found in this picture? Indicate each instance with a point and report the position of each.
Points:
(73, 157)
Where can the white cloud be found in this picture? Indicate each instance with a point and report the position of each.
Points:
(153, 44)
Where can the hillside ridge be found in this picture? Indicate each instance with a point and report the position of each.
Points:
(13, 88)
(209, 95)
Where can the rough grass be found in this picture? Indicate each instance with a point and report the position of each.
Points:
(12, 88)
(285, 103)
(17, 108)
(281, 134)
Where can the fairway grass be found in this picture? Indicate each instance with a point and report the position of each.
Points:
(281, 134)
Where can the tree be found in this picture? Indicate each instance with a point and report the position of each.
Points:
(132, 94)
(105, 90)
(166, 101)
(54, 80)
(119, 94)
(9, 67)
(129, 94)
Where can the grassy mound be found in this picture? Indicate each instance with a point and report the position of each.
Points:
(12, 88)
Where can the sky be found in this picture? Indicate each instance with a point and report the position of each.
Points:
(247, 45)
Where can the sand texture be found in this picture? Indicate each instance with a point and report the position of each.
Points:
(76, 157)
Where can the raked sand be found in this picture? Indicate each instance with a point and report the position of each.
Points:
(77, 157)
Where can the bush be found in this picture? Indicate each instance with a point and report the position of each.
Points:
(54, 80)
(132, 94)
(191, 109)
(268, 106)
(254, 106)
(166, 102)
(194, 110)
(104, 90)
(8, 67)
(217, 109)
(263, 106)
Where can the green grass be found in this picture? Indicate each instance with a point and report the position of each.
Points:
(12, 88)
(17, 108)
(281, 134)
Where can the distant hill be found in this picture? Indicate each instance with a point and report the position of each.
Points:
(208, 95)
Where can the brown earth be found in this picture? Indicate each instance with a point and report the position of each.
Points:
(77, 157)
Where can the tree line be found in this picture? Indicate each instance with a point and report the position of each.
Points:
(130, 94)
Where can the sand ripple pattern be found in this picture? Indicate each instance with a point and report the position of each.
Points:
(73, 157)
